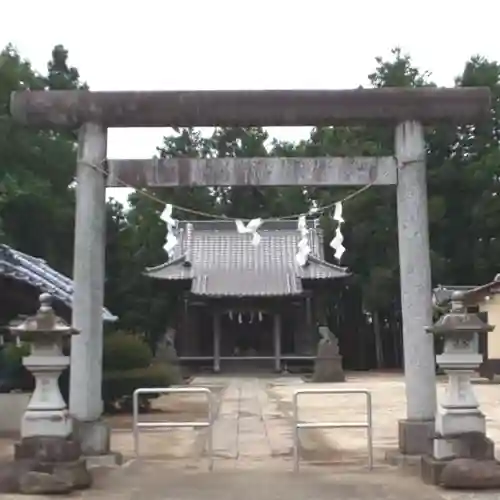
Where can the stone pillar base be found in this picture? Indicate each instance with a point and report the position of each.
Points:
(431, 469)
(45, 465)
(415, 436)
(328, 369)
(52, 449)
(467, 448)
(461, 473)
(466, 445)
(94, 437)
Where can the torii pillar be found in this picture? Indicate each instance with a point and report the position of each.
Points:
(407, 109)
(85, 393)
(417, 430)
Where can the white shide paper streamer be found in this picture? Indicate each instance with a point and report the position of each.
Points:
(338, 239)
(171, 223)
(304, 250)
(250, 228)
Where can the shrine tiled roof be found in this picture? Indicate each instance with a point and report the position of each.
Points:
(35, 272)
(221, 262)
(442, 294)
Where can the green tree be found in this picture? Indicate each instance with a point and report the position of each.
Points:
(463, 165)
(36, 166)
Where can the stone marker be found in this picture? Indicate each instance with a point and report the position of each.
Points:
(47, 460)
(328, 364)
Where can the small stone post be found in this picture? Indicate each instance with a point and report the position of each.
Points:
(47, 459)
(460, 428)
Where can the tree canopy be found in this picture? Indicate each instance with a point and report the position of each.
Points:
(37, 200)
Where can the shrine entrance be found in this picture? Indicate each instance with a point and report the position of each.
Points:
(247, 342)
(246, 334)
(242, 336)
(230, 339)
(405, 109)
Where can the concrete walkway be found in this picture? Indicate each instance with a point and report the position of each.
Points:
(253, 456)
(248, 428)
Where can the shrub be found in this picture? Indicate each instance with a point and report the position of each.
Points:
(127, 366)
(118, 386)
(14, 375)
(122, 351)
(13, 353)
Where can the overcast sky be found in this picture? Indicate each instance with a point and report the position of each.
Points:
(234, 44)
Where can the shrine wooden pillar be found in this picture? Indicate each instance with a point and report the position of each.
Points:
(303, 327)
(310, 327)
(184, 337)
(216, 340)
(277, 341)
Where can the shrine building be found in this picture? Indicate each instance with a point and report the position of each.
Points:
(245, 305)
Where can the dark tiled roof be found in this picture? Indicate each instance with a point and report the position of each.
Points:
(35, 272)
(442, 294)
(256, 283)
(222, 262)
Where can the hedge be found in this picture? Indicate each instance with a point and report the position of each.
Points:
(13, 375)
(127, 365)
(123, 351)
(118, 386)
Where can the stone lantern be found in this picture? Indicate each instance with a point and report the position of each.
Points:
(460, 429)
(46, 414)
(47, 459)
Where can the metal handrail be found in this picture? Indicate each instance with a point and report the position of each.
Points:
(136, 425)
(331, 425)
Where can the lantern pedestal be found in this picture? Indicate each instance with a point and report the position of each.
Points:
(47, 460)
(46, 414)
(459, 412)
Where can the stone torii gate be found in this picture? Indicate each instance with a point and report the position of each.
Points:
(406, 109)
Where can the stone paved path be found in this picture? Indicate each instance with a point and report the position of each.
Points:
(252, 444)
(248, 427)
